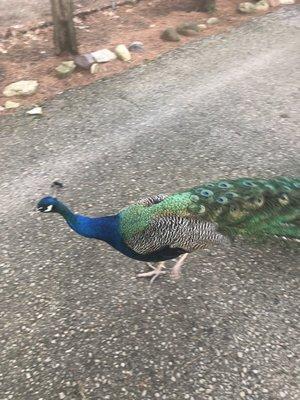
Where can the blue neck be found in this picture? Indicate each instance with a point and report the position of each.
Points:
(102, 228)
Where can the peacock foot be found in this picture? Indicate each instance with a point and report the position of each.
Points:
(176, 270)
(155, 273)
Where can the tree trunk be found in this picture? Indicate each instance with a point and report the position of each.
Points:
(207, 5)
(64, 32)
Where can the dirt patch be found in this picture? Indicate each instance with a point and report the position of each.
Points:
(30, 55)
(30, 12)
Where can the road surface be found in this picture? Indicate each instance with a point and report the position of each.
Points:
(75, 322)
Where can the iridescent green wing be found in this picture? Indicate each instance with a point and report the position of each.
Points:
(138, 217)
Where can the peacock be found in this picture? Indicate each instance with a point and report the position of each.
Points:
(163, 227)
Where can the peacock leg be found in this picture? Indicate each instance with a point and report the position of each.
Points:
(176, 270)
(155, 273)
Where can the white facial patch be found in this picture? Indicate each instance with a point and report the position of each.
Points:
(49, 208)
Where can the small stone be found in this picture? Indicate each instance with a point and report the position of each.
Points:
(136, 47)
(95, 68)
(188, 32)
(84, 60)
(212, 21)
(11, 104)
(122, 53)
(62, 71)
(262, 6)
(286, 2)
(202, 27)
(188, 29)
(242, 394)
(103, 56)
(65, 69)
(246, 7)
(69, 64)
(2, 108)
(21, 88)
(170, 35)
(35, 111)
(77, 20)
(61, 395)
(240, 354)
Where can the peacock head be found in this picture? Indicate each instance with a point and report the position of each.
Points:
(48, 204)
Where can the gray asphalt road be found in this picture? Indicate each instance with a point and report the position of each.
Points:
(75, 321)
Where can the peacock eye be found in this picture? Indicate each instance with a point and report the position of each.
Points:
(194, 198)
(249, 184)
(231, 195)
(222, 200)
(234, 208)
(258, 201)
(201, 209)
(206, 193)
(283, 199)
(224, 185)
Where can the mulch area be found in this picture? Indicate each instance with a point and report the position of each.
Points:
(30, 55)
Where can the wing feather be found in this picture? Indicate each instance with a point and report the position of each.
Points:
(176, 232)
